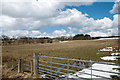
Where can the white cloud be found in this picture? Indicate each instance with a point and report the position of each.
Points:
(30, 9)
(98, 33)
(109, 32)
(35, 33)
(116, 20)
(83, 24)
(10, 23)
(104, 23)
(50, 0)
(19, 14)
(31, 17)
(116, 7)
(0, 33)
(17, 33)
(45, 34)
(36, 9)
(22, 33)
(58, 33)
(73, 17)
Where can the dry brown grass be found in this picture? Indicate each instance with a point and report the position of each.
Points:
(73, 49)
(82, 49)
(7, 73)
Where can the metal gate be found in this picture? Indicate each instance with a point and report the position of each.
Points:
(56, 68)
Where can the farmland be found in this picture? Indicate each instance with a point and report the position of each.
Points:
(84, 49)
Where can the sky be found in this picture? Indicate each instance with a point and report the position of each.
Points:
(45, 18)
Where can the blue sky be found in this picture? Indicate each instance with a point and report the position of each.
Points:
(98, 10)
(55, 19)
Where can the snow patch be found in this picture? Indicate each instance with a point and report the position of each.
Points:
(97, 53)
(43, 76)
(110, 58)
(106, 49)
(106, 38)
(115, 54)
(97, 66)
(63, 41)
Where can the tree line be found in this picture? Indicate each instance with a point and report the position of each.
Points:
(24, 40)
(30, 40)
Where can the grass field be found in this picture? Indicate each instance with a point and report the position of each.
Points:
(84, 49)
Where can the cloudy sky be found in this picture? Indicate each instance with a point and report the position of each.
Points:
(38, 18)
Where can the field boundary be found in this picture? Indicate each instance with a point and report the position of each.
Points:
(56, 68)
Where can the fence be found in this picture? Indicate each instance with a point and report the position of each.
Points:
(56, 68)
(62, 68)
(24, 65)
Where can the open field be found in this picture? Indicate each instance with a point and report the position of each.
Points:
(84, 49)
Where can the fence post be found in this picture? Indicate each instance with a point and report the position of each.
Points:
(68, 68)
(35, 63)
(12, 63)
(51, 66)
(91, 68)
(20, 65)
(31, 67)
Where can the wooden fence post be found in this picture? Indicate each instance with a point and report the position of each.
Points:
(31, 67)
(35, 63)
(12, 63)
(20, 65)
